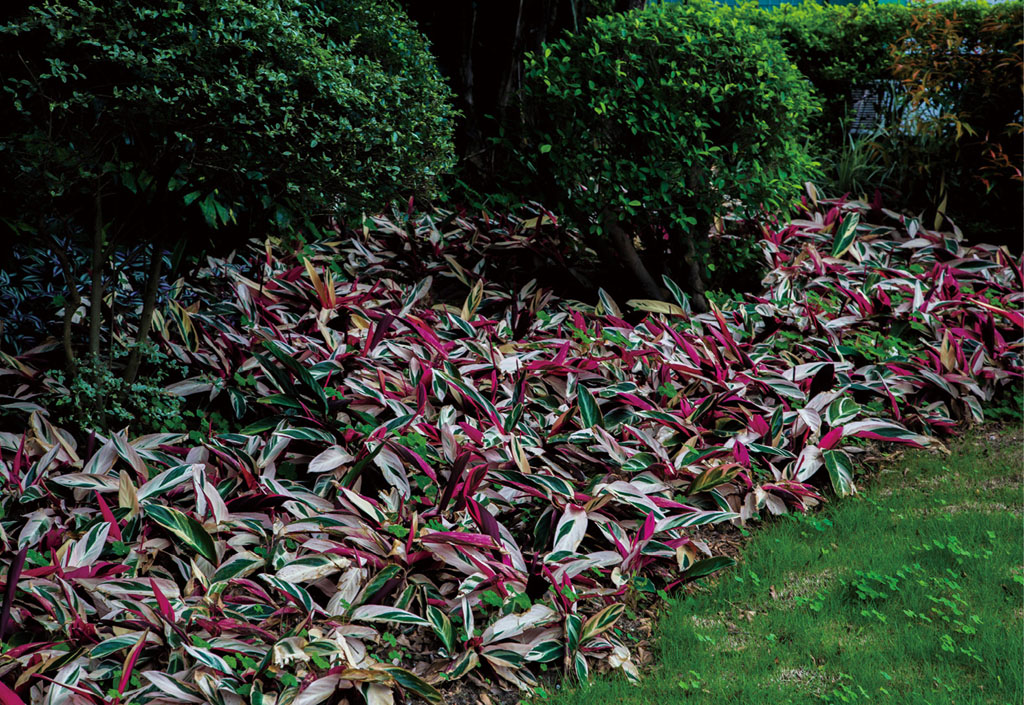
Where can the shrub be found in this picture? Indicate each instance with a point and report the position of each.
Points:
(837, 48)
(948, 80)
(97, 399)
(960, 67)
(645, 123)
(224, 103)
(123, 121)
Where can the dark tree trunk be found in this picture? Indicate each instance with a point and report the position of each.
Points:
(623, 244)
(74, 300)
(691, 266)
(96, 291)
(148, 308)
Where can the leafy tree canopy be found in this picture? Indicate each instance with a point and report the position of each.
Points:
(228, 104)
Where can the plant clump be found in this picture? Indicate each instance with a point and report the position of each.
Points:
(434, 476)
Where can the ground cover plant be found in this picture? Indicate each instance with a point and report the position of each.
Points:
(908, 593)
(435, 476)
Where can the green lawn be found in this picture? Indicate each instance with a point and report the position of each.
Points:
(911, 592)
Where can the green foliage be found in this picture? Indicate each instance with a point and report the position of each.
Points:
(657, 116)
(836, 47)
(949, 80)
(224, 107)
(98, 398)
(861, 165)
(1007, 406)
